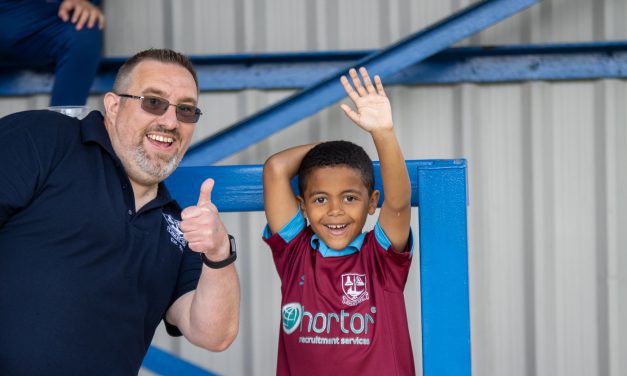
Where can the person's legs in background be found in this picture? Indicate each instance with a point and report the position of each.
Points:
(77, 56)
(34, 36)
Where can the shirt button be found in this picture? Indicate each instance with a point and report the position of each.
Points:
(130, 212)
(123, 186)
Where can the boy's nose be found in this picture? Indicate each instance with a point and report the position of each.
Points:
(335, 208)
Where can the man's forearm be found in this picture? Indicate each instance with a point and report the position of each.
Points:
(214, 312)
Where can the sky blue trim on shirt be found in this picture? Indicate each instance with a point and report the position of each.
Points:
(382, 239)
(325, 251)
(290, 230)
(385, 243)
(297, 223)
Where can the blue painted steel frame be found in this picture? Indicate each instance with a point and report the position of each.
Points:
(439, 189)
(163, 363)
(385, 63)
(567, 61)
(442, 200)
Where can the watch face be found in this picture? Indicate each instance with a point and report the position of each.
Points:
(232, 242)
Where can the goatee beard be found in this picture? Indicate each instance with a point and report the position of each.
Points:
(153, 169)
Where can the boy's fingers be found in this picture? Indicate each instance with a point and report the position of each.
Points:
(349, 89)
(367, 82)
(357, 82)
(377, 82)
(350, 113)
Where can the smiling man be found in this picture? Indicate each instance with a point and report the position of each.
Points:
(94, 252)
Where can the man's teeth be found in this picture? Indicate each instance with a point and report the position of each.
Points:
(160, 138)
(336, 227)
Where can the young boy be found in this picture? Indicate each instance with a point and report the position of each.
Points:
(343, 310)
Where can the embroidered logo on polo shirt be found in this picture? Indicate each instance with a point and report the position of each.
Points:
(355, 289)
(176, 235)
(292, 314)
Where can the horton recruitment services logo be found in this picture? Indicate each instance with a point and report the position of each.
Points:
(292, 314)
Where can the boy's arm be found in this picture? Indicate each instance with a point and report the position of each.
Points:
(374, 115)
(279, 201)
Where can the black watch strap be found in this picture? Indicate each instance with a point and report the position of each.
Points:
(227, 261)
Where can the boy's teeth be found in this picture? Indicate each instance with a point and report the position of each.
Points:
(335, 227)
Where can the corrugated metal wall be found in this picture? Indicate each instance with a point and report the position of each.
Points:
(547, 178)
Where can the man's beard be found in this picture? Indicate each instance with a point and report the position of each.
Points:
(147, 165)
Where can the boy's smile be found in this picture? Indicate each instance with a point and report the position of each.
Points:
(336, 203)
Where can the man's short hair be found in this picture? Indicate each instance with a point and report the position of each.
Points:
(161, 55)
(337, 153)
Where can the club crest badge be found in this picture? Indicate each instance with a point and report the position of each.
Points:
(355, 288)
(176, 235)
(292, 315)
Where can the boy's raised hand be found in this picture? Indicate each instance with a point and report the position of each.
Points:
(373, 110)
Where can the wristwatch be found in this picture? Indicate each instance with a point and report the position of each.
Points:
(227, 261)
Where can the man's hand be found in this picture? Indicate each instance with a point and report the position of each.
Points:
(209, 315)
(202, 227)
(83, 13)
(373, 110)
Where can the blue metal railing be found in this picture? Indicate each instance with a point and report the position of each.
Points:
(164, 363)
(439, 189)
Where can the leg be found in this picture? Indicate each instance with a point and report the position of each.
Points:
(77, 58)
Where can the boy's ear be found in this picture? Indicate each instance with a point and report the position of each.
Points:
(374, 200)
(301, 205)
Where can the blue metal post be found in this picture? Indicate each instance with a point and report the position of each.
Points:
(384, 63)
(442, 199)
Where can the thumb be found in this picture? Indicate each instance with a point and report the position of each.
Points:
(204, 197)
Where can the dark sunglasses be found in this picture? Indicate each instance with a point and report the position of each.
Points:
(158, 106)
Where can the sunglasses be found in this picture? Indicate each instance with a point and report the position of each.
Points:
(158, 106)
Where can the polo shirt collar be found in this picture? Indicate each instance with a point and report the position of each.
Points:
(325, 251)
(93, 130)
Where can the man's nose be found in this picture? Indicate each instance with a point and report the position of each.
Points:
(168, 119)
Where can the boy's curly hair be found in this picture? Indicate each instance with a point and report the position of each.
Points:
(337, 153)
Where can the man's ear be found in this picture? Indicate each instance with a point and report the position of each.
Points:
(374, 200)
(111, 105)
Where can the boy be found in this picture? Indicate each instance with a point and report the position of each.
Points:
(343, 310)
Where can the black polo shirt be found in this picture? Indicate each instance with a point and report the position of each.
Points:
(84, 279)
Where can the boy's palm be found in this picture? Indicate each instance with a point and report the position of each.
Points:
(373, 110)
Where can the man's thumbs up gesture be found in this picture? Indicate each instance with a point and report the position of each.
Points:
(202, 227)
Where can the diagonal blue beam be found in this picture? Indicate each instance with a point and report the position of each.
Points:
(387, 62)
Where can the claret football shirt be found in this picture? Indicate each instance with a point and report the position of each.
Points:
(343, 312)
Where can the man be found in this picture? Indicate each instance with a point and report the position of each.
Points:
(93, 251)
